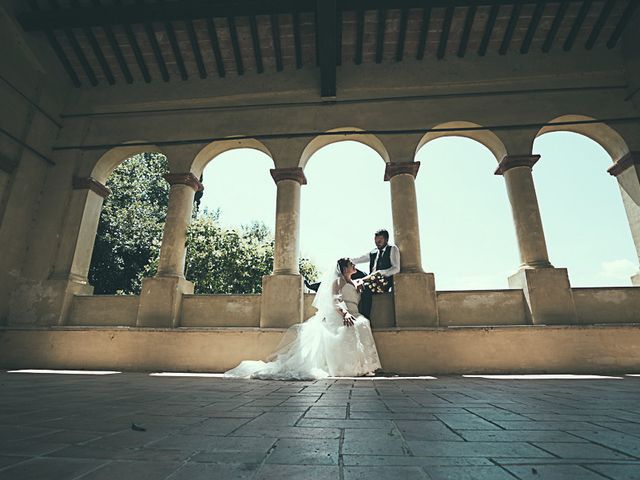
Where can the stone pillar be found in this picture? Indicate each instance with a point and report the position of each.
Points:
(627, 172)
(546, 289)
(73, 259)
(414, 290)
(282, 292)
(517, 172)
(161, 296)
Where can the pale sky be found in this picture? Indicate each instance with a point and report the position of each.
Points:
(467, 234)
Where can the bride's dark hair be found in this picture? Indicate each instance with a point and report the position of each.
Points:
(343, 263)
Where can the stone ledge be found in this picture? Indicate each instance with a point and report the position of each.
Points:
(415, 351)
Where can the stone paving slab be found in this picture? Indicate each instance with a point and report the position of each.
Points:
(78, 427)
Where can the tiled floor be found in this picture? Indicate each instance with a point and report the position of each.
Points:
(56, 426)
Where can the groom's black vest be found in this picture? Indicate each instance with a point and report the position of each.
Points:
(383, 263)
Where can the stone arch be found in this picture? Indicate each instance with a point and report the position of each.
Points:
(212, 150)
(114, 157)
(485, 137)
(600, 133)
(320, 141)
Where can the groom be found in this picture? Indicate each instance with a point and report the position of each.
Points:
(385, 259)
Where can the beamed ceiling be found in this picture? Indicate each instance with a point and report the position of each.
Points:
(124, 41)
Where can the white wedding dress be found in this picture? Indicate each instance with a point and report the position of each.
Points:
(321, 346)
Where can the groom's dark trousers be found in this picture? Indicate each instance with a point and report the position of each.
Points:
(366, 299)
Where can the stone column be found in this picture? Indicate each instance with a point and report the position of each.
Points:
(282, 292)
(413, 290)
(161, 296)
(627, 172)
(517, 172)
(73, 257)
(546, 289)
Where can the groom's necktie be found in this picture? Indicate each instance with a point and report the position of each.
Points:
(379, 257)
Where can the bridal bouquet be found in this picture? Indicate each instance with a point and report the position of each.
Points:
(376, 283)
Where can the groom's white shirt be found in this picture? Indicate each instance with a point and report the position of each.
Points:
(394, 256)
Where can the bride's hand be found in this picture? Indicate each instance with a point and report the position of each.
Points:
(348, 320)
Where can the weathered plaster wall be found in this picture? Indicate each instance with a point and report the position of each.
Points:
(220, 311)
(31, 98)
(417, 351)
(476, 308)
(607, 305)
(104, 310)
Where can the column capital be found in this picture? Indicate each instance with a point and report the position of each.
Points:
(183, 179)
(629, 160)
(512, 161)
(296, 174)
(399, 168)
(90, 183)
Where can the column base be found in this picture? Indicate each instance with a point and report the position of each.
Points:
(635, 279)
(161, 301)
(282, 301)
(548, 295)
(45, 303)
(415, 300)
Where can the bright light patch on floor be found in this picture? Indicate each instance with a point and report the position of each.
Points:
(379, 379)
(66, 372)
(562, 376)
(632, 375)
(185, 374)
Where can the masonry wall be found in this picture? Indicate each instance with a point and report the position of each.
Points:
(32, 95)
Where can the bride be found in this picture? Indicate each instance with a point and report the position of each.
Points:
(337, 341)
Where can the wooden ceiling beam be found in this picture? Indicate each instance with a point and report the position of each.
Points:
(327, 20)
(466, 32)
(446, 28)
(488, 30)
(622, 23)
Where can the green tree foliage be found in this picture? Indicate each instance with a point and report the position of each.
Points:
(131, 223)
(219, 260)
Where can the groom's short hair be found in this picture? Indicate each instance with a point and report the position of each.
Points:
(382, 233)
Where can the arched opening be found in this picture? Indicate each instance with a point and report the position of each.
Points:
(586, 227)
(127, 242)
(345, 200)
(230, 239)
(342, 134)
(468, 238)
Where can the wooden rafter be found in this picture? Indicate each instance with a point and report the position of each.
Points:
(424, 32)
(577, 25)
(466, 32)
(402, 33)
(630, 9)
(215, 46)
(195, 47)
(359, 36)
(533, 27)
(327, 24)
(382, 23)
(446, 27)
(511, 26)
(77, 49)
(275, 34)
(235, 44)
(255, 40)
(97, 51)
(115, 47)
(555, 26)
(488, 30)
(597, 27)
(296, 39)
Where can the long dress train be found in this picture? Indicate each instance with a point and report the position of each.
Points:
(320, 347)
